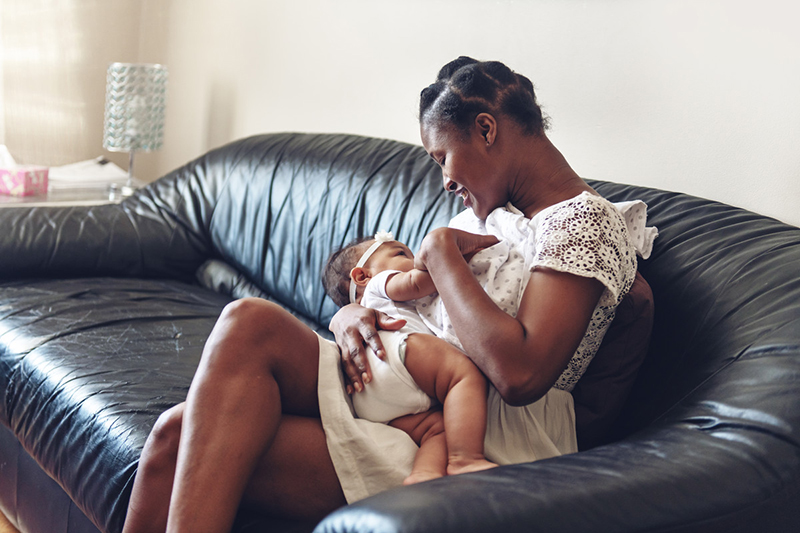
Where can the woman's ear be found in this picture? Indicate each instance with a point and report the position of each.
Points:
(360, 276)
(487, 126)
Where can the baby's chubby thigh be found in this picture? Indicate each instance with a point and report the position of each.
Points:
(437, 366)
(392, 392)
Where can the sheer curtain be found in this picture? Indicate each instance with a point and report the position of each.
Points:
(54, 59)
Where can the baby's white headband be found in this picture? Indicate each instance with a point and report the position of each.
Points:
(380, 238)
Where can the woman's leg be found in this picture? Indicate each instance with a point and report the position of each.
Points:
(445, 373)
(152, 487)
(259, 364)
(294, 479)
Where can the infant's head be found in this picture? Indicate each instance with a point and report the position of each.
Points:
(349, 270)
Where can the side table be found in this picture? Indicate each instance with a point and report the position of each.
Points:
(86, 196)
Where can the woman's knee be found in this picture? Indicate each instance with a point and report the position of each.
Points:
(248, 325)
(253, 334)
(253, 316)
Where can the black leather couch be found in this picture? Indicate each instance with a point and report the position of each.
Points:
(104, 311)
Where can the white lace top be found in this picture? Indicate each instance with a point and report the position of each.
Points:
(586, 235)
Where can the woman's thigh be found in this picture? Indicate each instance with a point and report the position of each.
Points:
(296, 478)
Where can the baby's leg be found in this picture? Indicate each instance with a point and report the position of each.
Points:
(445, 373)
(427, 430)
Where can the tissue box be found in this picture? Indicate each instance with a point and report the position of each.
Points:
(23, 181)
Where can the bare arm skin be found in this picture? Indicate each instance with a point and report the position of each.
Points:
(405, 286)
(521, 356)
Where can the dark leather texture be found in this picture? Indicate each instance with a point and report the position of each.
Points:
(104, 311)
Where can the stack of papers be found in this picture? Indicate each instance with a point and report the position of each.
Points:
(97, 173)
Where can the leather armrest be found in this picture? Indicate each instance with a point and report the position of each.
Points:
(644, 485)
(134, 238)
(67, 241)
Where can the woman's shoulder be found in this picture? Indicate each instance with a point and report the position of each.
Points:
(592, 214)
(583, 220)
(580, 206)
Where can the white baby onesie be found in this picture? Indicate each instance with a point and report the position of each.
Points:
(392, 393)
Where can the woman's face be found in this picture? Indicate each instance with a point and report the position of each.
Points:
(466, 166)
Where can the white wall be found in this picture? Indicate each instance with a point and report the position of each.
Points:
(699, 96)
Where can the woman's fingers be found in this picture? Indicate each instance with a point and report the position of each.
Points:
(385, 322)
(355, 329)
(368, 338)
(355, 368)
(355, 365)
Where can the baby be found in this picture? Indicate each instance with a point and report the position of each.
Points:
(379, 273)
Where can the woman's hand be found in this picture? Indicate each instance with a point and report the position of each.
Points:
(356, 327)
(444, 240)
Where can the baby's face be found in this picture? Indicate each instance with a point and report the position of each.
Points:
(391, 256)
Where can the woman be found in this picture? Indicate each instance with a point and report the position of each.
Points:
(251, 431)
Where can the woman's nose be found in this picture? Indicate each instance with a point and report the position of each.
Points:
(449, 185)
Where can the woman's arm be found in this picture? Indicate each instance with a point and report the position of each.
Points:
(523, 356)
(405, 286)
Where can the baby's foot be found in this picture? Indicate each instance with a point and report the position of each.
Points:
(463, 466)
(420, 476)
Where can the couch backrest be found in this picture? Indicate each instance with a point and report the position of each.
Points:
(275, 206)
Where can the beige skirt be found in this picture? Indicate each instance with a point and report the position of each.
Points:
(370, 457)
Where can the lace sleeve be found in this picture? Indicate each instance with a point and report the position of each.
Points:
(587, 236)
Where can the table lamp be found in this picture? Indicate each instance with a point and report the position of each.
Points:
(134, 114)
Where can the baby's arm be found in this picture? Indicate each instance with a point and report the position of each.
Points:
(410, 285)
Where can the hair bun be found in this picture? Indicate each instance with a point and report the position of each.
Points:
(466, 87)
(447, 71)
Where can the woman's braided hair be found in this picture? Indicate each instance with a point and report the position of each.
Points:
(466, 87)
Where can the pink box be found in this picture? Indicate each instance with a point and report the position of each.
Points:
(23, 181)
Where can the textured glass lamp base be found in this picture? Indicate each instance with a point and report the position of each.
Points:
(116, 191)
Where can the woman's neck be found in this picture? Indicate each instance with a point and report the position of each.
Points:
(544, 177)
